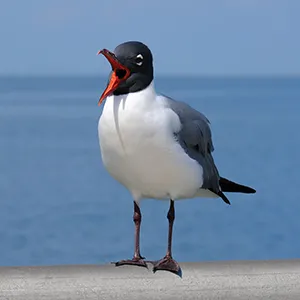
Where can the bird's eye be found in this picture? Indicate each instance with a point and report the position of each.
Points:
(139, 59)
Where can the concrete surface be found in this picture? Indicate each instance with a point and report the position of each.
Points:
(208, 280)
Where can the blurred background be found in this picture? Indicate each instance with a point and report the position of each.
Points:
(236, 61)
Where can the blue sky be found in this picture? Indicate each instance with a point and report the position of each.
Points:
(208, 37)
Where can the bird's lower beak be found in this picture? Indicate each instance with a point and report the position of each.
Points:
(120, 73)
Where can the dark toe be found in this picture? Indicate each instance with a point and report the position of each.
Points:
(167, 264)
(132, 262)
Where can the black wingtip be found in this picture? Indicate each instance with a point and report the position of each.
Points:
(224, 198)
(230, 186)
(251, 190)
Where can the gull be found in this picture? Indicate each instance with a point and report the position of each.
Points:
(153, 145)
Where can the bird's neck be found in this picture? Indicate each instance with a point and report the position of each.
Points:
(141, 98)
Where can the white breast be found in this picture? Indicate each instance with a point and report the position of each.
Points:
(138, 148)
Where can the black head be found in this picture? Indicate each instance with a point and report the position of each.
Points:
(132, 68)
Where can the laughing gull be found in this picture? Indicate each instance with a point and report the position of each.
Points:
(153, 145)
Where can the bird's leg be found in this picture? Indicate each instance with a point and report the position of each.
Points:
(168, 263)
(137, 259)
(137, 218)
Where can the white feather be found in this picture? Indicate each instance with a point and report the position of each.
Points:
(138, 147)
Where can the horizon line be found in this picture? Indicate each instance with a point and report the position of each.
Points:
(161, 75)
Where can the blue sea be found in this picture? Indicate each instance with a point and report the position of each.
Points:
(58, 205)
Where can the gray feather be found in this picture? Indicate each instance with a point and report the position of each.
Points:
(196, 139)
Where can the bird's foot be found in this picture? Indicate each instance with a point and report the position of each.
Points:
(135, 261)
(167, 264)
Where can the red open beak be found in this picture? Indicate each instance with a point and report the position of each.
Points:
(119, 74)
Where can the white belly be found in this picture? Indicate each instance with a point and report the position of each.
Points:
(138, 150)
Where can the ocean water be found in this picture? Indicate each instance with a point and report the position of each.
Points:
(58, 205)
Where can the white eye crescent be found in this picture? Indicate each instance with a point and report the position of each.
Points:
(139, 59)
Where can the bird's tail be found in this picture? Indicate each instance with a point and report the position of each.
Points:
(232, 187)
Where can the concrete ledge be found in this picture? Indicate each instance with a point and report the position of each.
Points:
(208, 280)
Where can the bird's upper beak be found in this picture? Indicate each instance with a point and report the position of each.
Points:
(120, 73)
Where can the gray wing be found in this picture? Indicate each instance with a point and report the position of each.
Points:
(195, 138)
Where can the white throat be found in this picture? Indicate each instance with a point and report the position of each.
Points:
(138, 99)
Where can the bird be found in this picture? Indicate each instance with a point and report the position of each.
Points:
(155, 146)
